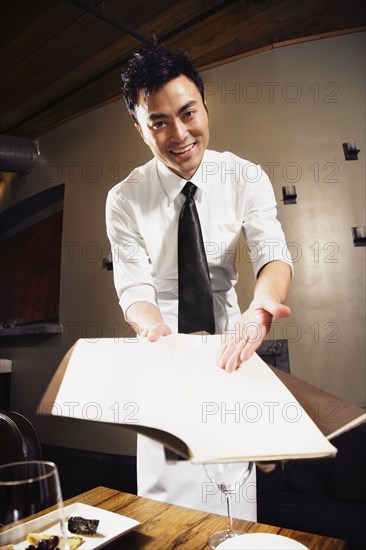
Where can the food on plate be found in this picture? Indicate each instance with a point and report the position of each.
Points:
(83, 526)
(7, 547)
(44, 541)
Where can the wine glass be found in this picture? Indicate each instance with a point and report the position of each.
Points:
(31, 502)
(228, 477)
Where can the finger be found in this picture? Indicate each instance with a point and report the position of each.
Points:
(225, 352)
(166, 330)
(254, 340)
(224, 347)
(153, 335)
(276, 309)
(233, 361)
(157, 331)
(248, 351)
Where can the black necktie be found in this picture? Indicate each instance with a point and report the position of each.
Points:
(195, 306)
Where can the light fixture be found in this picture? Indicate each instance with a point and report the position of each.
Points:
(289, 194)
(359, 235)
(107, 262)
(350, 150)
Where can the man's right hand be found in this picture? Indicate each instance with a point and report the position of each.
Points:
(156, 331)
(146, 320)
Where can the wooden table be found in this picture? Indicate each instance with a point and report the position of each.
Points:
(166, 527)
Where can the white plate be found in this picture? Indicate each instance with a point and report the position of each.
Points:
(110, 527)
(261, 541)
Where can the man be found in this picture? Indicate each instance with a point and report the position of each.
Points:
(165, 96)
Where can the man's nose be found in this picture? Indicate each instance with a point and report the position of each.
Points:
(179, 130)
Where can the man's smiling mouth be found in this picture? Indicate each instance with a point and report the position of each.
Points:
(183, 150)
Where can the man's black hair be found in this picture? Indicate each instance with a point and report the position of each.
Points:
(152, 67)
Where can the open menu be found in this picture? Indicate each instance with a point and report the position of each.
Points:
(173, 391)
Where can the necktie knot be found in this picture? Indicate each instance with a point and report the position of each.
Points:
(189, 190)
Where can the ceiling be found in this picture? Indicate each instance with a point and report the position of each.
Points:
(58, 59)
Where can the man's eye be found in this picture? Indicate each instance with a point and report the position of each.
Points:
(157, 125)
(188, 114)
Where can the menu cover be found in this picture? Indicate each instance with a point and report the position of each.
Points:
(173, 391)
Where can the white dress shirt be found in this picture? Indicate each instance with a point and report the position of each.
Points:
(142, 215)
(142, 224)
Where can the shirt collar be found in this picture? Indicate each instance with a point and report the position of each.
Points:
(173, 184)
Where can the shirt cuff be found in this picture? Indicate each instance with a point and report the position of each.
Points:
(140, 293)
(267, 252)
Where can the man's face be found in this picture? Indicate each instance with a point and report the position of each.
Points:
(173, 122)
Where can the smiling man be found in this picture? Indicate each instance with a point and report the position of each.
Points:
(150, 216)
(174, 124)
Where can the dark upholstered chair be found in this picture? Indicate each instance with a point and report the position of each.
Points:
(18, 438)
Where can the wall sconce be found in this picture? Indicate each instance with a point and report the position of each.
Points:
(359, 235)
(107, 263)
(289, 194)
(350, 150)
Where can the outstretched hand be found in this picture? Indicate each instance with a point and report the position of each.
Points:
(250, 332)
(156, 331)
(147, 320)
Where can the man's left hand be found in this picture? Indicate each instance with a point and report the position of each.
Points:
(251, 330)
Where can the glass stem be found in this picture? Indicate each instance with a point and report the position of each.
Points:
(229, 518)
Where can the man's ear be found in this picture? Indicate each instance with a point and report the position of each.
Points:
(138, 128)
